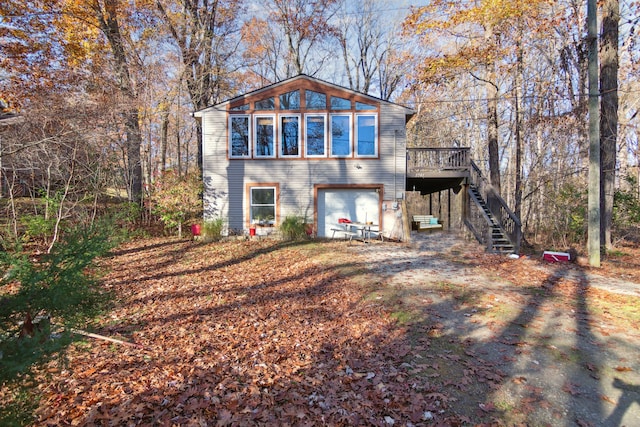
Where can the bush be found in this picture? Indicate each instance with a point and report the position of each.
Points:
(294, 228)
(176, 199)
(626, 205)
(212, 230)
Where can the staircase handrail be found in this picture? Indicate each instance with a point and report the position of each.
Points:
(507, 220)
(478, 222)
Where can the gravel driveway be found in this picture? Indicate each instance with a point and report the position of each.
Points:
(563, 344)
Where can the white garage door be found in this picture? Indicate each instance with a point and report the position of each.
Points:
(358, 205)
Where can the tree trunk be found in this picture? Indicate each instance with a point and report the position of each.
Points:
(110, 26)
(492, 134)
(608, 115)
(594, 140)
(164, 135)
(492, 119)
(518, 127)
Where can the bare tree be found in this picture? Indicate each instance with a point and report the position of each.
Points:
(206, 33)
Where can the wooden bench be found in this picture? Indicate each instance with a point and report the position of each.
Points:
(425, 222)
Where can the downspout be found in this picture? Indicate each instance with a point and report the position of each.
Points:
(395, 163)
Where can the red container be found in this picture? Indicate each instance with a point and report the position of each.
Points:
(195, 229)
(556, 256)
(252, 231)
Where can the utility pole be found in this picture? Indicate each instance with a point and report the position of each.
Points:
(593, 232)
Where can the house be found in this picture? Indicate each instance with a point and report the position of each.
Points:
(308, 148)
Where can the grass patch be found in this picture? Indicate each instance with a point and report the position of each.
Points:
(405, 317)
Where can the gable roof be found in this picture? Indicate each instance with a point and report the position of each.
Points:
(287, 82)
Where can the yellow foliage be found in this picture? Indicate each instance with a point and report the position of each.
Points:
(462, 35)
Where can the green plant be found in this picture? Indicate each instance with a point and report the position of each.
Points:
(37, 227)
(58, 287)
(175, 199)
(212, 230)
(293, 228)
(626, 205)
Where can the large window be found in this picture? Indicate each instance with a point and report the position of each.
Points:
(340, 135)
(304, 123)
(239, 136)
(265, 136)
(366, 135)
(316, 135)
(263, 205)
(290, 136)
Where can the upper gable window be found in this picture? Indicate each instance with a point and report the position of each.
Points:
(363, 106)
(290, 100)
(239, 136)
(266, 104)
(315, 100)
(243, 107)
(265, 136)
(338, 103)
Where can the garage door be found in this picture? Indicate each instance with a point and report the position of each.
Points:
(358, 205)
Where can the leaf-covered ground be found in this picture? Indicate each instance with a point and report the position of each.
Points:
(241, 333)
(263, 332)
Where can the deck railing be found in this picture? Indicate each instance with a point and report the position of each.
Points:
(422, 160)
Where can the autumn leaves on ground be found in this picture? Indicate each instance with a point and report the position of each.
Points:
(263, 332)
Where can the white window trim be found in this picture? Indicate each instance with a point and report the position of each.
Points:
(375, 136)
(275, 203)
(326, 136)
(257, 117)
(249, 136)
(281, 137)
(350, 153)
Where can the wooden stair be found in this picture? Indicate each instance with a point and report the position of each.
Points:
(494, 237)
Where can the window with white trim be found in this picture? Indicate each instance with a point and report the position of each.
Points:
(289, 126)
(315, 135)
(239, 136)
(340, 131)
(264, 136)
(366, 135)
(263, 205)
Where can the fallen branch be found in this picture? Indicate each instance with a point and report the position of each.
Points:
(105, 338)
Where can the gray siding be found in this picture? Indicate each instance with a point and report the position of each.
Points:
(225, 179)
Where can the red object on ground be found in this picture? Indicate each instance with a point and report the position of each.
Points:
(195, 229)
(556, 256)
(252, 231)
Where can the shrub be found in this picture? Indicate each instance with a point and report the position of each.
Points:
(176, 199)
(293, 228)
(212, 230)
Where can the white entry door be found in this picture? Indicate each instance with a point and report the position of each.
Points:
(358, 205)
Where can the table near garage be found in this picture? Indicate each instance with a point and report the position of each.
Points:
(362, 230)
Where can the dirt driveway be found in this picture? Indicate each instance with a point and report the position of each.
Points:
(513, 341)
